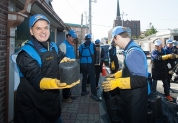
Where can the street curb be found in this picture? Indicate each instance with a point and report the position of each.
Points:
(104, 118)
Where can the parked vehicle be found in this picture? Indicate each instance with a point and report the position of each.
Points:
(105, 59)
(120, 51)
(146, 47)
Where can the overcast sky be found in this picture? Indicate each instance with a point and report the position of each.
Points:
(163, 14)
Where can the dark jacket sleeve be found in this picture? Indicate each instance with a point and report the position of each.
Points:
(155, 56)
(61, 55)
(30, 69)
(138, 81)
(94, 48)
(102, 52)
(111, 52)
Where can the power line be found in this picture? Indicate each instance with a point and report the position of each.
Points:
(140, 17)
(101, 25)
(72, 8)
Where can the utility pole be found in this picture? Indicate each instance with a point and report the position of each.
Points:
(81, 28)
(90, 16)
(86, 23)
(90, 30)
(123, 14)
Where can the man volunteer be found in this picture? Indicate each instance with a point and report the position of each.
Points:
(87, 52)
(38, 97)
(98, 66)
(67, 47)
(169, 49)
(132, 79)
(114, 62)
(159, 68)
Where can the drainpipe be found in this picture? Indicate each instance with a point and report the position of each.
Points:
(14, 19)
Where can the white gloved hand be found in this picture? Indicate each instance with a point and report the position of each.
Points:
(174, 75)
(169, 65)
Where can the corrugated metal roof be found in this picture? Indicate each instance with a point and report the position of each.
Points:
(76, 25)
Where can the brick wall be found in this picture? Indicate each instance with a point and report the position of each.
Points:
(3, 33)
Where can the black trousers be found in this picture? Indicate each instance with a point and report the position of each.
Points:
(88, 79)
(66, 93)
(88, 69)
(97, 73)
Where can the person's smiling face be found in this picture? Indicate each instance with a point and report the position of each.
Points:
(41, 30)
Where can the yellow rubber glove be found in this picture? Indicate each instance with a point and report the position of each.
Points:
(173, 56)
(169, 56)
(110, 76)
(112, 65)
(65, 59)
(118, 74)
(71, 85)
(122, 83)
(49, 83)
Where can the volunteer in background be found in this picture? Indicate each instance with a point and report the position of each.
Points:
(170, 62)
(87, 64)
(114, 63)
(159, 68)
(67, 47)
(98, 66)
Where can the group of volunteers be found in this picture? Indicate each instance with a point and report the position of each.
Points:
(163, 60)
(38, 95)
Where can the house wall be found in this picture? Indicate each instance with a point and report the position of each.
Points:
(3, 35)
(61, 36)
(162, 35)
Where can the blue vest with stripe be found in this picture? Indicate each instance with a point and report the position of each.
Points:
(70, 51)
(135, 47)
(86, 53)
(34, 54)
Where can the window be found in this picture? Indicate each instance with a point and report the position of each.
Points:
(22, 34)
(78, 29)
(52, 34)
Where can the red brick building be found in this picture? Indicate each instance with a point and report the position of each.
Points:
(132, 25)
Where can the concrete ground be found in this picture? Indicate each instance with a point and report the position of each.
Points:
(84, 109)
